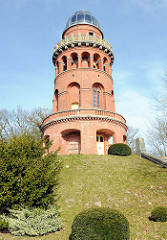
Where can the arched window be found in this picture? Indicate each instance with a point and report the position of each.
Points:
(85, 59)
(124, 138)
(65, 63)
(74, 58)
(106, 65)
(96, 97)
(99, 138)
(73, 95)
(96, 58)
(57, 68)
(55, 101)
(46, 141)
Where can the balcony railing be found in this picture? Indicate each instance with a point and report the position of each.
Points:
(88, 112)
(80, 38)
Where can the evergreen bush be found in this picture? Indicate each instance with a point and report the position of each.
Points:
(120, 149)
(33, 222)
(100, 223)
(159, 214)
(28, 177)
(3, 225)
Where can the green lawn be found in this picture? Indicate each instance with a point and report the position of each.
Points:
(130, 184)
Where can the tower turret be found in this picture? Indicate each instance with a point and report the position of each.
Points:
(84, 118)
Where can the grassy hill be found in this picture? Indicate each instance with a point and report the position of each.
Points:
(130, 184)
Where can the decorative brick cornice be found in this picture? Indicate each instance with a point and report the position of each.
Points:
(79, 40)
(83, 118)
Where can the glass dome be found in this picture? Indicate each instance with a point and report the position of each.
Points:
(82, 17)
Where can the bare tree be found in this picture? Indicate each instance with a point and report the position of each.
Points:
(36, 117)
(157, 130)
(132, 134)
(161, 100)
(6, 129)
(157, 134)
(19, 121)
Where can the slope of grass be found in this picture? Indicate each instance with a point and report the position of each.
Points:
(130, 184)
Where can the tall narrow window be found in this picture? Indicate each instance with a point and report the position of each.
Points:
(96, 97)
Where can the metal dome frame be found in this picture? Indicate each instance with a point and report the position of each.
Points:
(82, 17)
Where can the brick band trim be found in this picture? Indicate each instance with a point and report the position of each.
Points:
(81, 118)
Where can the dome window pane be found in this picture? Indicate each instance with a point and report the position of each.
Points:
(88, 18)
(67, 25)
(73, 19)
(95, 22)
(80, 17)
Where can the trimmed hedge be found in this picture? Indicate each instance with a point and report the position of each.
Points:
(100, 223)
(120, 149)
(159, 214)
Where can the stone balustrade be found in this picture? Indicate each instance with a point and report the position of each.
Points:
(84, 112)
(81, 39)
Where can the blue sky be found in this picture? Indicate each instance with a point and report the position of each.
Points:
(136, 29)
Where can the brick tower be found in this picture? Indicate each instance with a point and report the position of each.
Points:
(84, 120)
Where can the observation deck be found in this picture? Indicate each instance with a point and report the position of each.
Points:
(81, 114)
(80, 40)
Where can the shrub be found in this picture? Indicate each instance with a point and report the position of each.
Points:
(3, 225)
(100, 223)
(159, 214)
(33, 222)
(120, 149)
(27, 176)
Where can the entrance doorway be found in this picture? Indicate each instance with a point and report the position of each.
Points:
(100, 144)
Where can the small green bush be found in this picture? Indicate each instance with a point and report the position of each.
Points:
(159, 214)
(33, 222)
(100, 223)
(120, 149)
(3, 225)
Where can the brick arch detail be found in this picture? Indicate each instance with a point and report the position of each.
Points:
(95, 59)
(72, 141)
(73, 94)
(107, 135)
(85, 56)
(74, 60)
(98, 89)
